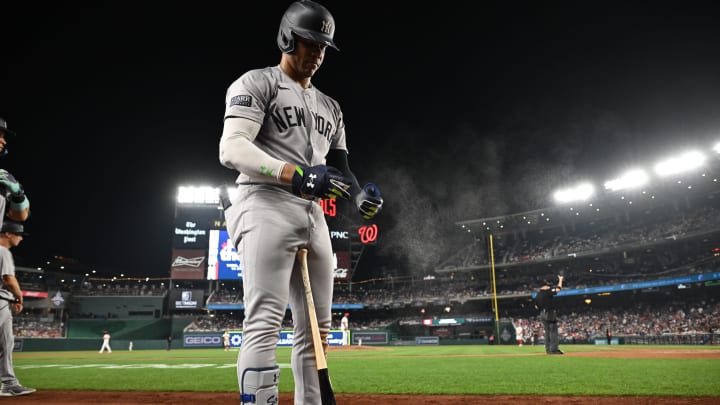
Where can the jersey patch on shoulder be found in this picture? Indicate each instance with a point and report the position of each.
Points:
(243, 100)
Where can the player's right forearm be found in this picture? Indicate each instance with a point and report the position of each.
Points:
(237, 152)
(12, 285)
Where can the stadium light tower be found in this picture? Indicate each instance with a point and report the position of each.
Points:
(631, 179)
(201, 195)
(581, 192)
(683, 163)
(198, 195)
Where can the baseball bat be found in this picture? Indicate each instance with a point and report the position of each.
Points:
(327, 396)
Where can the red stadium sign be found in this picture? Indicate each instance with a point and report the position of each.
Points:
(329, 207)
(368, 234)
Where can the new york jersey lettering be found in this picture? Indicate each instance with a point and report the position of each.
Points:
(291, 116)
(294, 116)
(323, 126)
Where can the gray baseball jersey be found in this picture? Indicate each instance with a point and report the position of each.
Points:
(268, 224)
(298, 125)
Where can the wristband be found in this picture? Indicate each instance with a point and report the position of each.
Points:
(279, 171)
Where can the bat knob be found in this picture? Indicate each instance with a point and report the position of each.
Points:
(371, 189)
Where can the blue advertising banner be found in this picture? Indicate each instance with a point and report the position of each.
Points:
(370, 338)
(335, 338)
(696, 278)
(223, 259)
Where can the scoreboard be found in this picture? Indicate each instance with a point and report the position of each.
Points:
(191, 238)
(202, 248)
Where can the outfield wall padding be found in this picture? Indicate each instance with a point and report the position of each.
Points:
(54, 345)
(120, 328)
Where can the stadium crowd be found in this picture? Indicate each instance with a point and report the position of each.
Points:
(36, 326)
(601, 236)
(576, 326)
(120, 288)
(462, 287)
(677, 318)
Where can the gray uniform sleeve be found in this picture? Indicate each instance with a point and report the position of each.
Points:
(7, 265)
(248, 96)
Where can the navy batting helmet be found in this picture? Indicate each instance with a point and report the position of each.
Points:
(308, 20)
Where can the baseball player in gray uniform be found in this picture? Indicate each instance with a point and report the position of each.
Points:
(11, 301)
(287, 140)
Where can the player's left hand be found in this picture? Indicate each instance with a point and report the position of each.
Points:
(320, 181)
(368, 201)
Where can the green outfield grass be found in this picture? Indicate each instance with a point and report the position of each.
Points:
(388, 370)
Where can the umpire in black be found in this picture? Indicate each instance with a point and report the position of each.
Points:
(544, 302)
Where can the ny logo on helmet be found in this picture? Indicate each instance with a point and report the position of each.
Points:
(327, 27)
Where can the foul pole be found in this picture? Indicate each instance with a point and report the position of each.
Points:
(494, 287)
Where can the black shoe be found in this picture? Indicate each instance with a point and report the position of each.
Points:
(16, 390)
(556, 352)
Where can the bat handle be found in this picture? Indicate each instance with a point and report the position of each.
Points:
(312, 315)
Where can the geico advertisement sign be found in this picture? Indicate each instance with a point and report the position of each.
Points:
(335, 338)
(203, 341)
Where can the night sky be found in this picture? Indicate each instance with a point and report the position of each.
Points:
(457, 110)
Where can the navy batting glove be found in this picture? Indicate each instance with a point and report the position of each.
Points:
(369, 201)
(320, 181)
